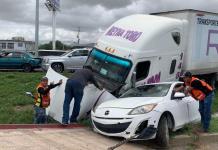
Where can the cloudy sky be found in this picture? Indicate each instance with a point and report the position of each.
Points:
(92, 16)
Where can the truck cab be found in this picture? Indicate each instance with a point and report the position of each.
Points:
(144, 48)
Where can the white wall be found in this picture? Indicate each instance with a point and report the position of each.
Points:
(18, 45)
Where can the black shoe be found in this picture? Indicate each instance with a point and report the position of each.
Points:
(73, 122)
(206, 131)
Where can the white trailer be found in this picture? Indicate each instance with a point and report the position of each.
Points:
(201, 47)
(156, 48)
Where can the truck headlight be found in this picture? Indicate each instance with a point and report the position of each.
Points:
(142, 109)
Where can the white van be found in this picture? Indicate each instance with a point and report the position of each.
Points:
(152, 48)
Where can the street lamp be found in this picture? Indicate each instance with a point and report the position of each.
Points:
(53, 5)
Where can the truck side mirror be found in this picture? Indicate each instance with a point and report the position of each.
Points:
(133, 79)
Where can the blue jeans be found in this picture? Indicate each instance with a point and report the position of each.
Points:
(40, 115)
(73, 89)
(205, 111)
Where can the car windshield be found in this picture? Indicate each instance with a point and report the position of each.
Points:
(153, 90)
(108, 66)
(66, 53)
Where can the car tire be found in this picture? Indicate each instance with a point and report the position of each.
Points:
(27, 68)
(162, 136)
(58, 67)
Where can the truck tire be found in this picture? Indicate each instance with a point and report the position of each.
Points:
(58, 67)
(27, 68)
(162, 136)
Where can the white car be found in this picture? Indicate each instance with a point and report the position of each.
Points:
(146, 112)
(72, 60)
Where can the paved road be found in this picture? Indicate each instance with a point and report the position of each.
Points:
(79, 139)
(59, 139)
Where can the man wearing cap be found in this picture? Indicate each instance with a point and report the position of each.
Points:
(74, 89)
(42, 100)
(203, 92)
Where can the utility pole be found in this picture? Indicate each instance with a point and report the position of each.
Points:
(53, 29)
(78, 39)
(37, 28)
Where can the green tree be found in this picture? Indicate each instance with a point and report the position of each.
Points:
(59, 45)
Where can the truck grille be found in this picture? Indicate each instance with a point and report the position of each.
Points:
(112, 128)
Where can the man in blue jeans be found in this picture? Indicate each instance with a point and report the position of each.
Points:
(74, 89)
(202, 92)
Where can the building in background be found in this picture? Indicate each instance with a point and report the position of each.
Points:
(17, 43)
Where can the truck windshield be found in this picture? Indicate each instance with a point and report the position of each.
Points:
(109, 66)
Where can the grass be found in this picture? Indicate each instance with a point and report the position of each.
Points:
(16, 107)
(215, 102)
(214, 125)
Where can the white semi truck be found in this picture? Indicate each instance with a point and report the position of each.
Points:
(142, 49)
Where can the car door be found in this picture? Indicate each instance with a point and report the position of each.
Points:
(3, 60)
(76, 59)
(193, 107)
(179, 108)
(16, 60)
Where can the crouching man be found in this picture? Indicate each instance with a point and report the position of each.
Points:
(201, 91)
(42, 100)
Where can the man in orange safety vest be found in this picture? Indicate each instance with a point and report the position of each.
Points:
(203, 92)
(42, 100)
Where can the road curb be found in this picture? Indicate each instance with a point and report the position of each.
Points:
(39, 126)
(197, 137)
(190, 139)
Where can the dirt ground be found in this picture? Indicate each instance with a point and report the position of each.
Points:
(76, 139)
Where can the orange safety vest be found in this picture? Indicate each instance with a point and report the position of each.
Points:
(42, 100)
(198, 94)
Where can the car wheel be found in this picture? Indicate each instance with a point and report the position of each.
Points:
(58, 67)
(27, 68)
(162, 136)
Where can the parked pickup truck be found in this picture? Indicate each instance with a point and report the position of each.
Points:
(72, 60)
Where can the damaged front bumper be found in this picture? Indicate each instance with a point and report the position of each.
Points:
(141, 127)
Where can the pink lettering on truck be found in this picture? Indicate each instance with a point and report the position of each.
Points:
(209, 43)
(129, 35)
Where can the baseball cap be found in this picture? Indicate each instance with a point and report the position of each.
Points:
(44, 78)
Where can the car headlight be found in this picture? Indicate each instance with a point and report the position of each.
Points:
(142, 109)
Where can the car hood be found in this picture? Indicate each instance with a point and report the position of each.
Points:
(37, 58)
(51, 57)
(130, 102)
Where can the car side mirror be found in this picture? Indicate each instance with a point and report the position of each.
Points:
(133, 79)
(179, 95)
